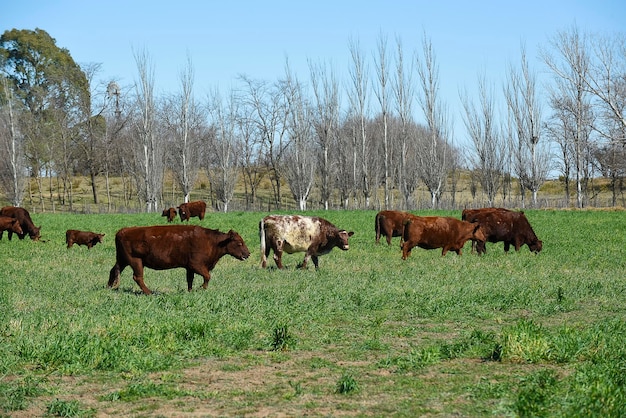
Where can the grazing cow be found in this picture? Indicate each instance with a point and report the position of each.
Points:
(469, 216)
(504, 225)
(22, 215)
(191, 209)
(10, 224)
(389, 223)
(193, 248)
(430, 232)
(170, 214)
(295, 233)
(73, 236)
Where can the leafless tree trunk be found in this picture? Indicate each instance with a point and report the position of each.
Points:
(570, 69)
(270, 116)
(326, 122)
(149, 152)
(433, 160)
(12, 168)
(560, 129)
(358, 95)
(222, 162)
(251, 152)
(299, 158)
(183, 119)
(382, 93)
(489, 149)
(408, 170)
(531, 159)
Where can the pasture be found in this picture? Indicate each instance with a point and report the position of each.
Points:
(512, 334)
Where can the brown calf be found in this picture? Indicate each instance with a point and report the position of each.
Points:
(170, 214)
(74, 236)
(389, 223)
(22, 215)
(10, 224)
(192, 209)
(430, 232)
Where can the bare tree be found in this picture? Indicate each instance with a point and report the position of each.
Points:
(606, 80)
(570, 69)
(408, 168)
(488, 154)
(433, 161)
(149, 152)
(251, 152)
(359, 109)
(183, 119)
(222, 150)
(560, 130)
(300, 157)
(531, 159)
(13, 175)
(268, 104)
(382, 93)
(326, 124)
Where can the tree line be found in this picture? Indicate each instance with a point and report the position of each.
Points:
(384, 131)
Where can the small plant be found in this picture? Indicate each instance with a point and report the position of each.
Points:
(347, 384)
(281, 339)
(61, 408)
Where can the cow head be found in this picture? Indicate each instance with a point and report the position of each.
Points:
(99, 237)
(183, 212)
(35, 233)
(343, 239)
(478, 234)
(16, 227)
(535, 246)
(235, 246)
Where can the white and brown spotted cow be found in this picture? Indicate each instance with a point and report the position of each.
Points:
(295, 233)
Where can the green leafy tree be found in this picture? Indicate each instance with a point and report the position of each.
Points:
(53, 90)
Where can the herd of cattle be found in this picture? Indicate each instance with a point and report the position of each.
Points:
(198, 249)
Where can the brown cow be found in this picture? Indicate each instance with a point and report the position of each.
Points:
(74, 236)
(504, 225)
(162, 247)
(295, 233)
(191, 209)
(469, 214)
(430, 232)
(170, 214)
(10, 224)
(389, 223)
(22, 215)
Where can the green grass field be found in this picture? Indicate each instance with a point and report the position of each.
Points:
(368, 334)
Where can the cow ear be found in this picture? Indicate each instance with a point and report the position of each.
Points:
(350, 233)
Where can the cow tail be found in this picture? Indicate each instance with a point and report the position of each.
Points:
(405, 225)
(263, 244)
(377, 227)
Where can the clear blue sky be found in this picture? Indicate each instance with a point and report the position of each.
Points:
(227, 38)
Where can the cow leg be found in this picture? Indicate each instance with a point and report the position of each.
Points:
(406, 250)
(307, 257)
(189, 280)
(138, 277)
(389, 239)
(278, 254)
(507, 246)
(315, 262)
